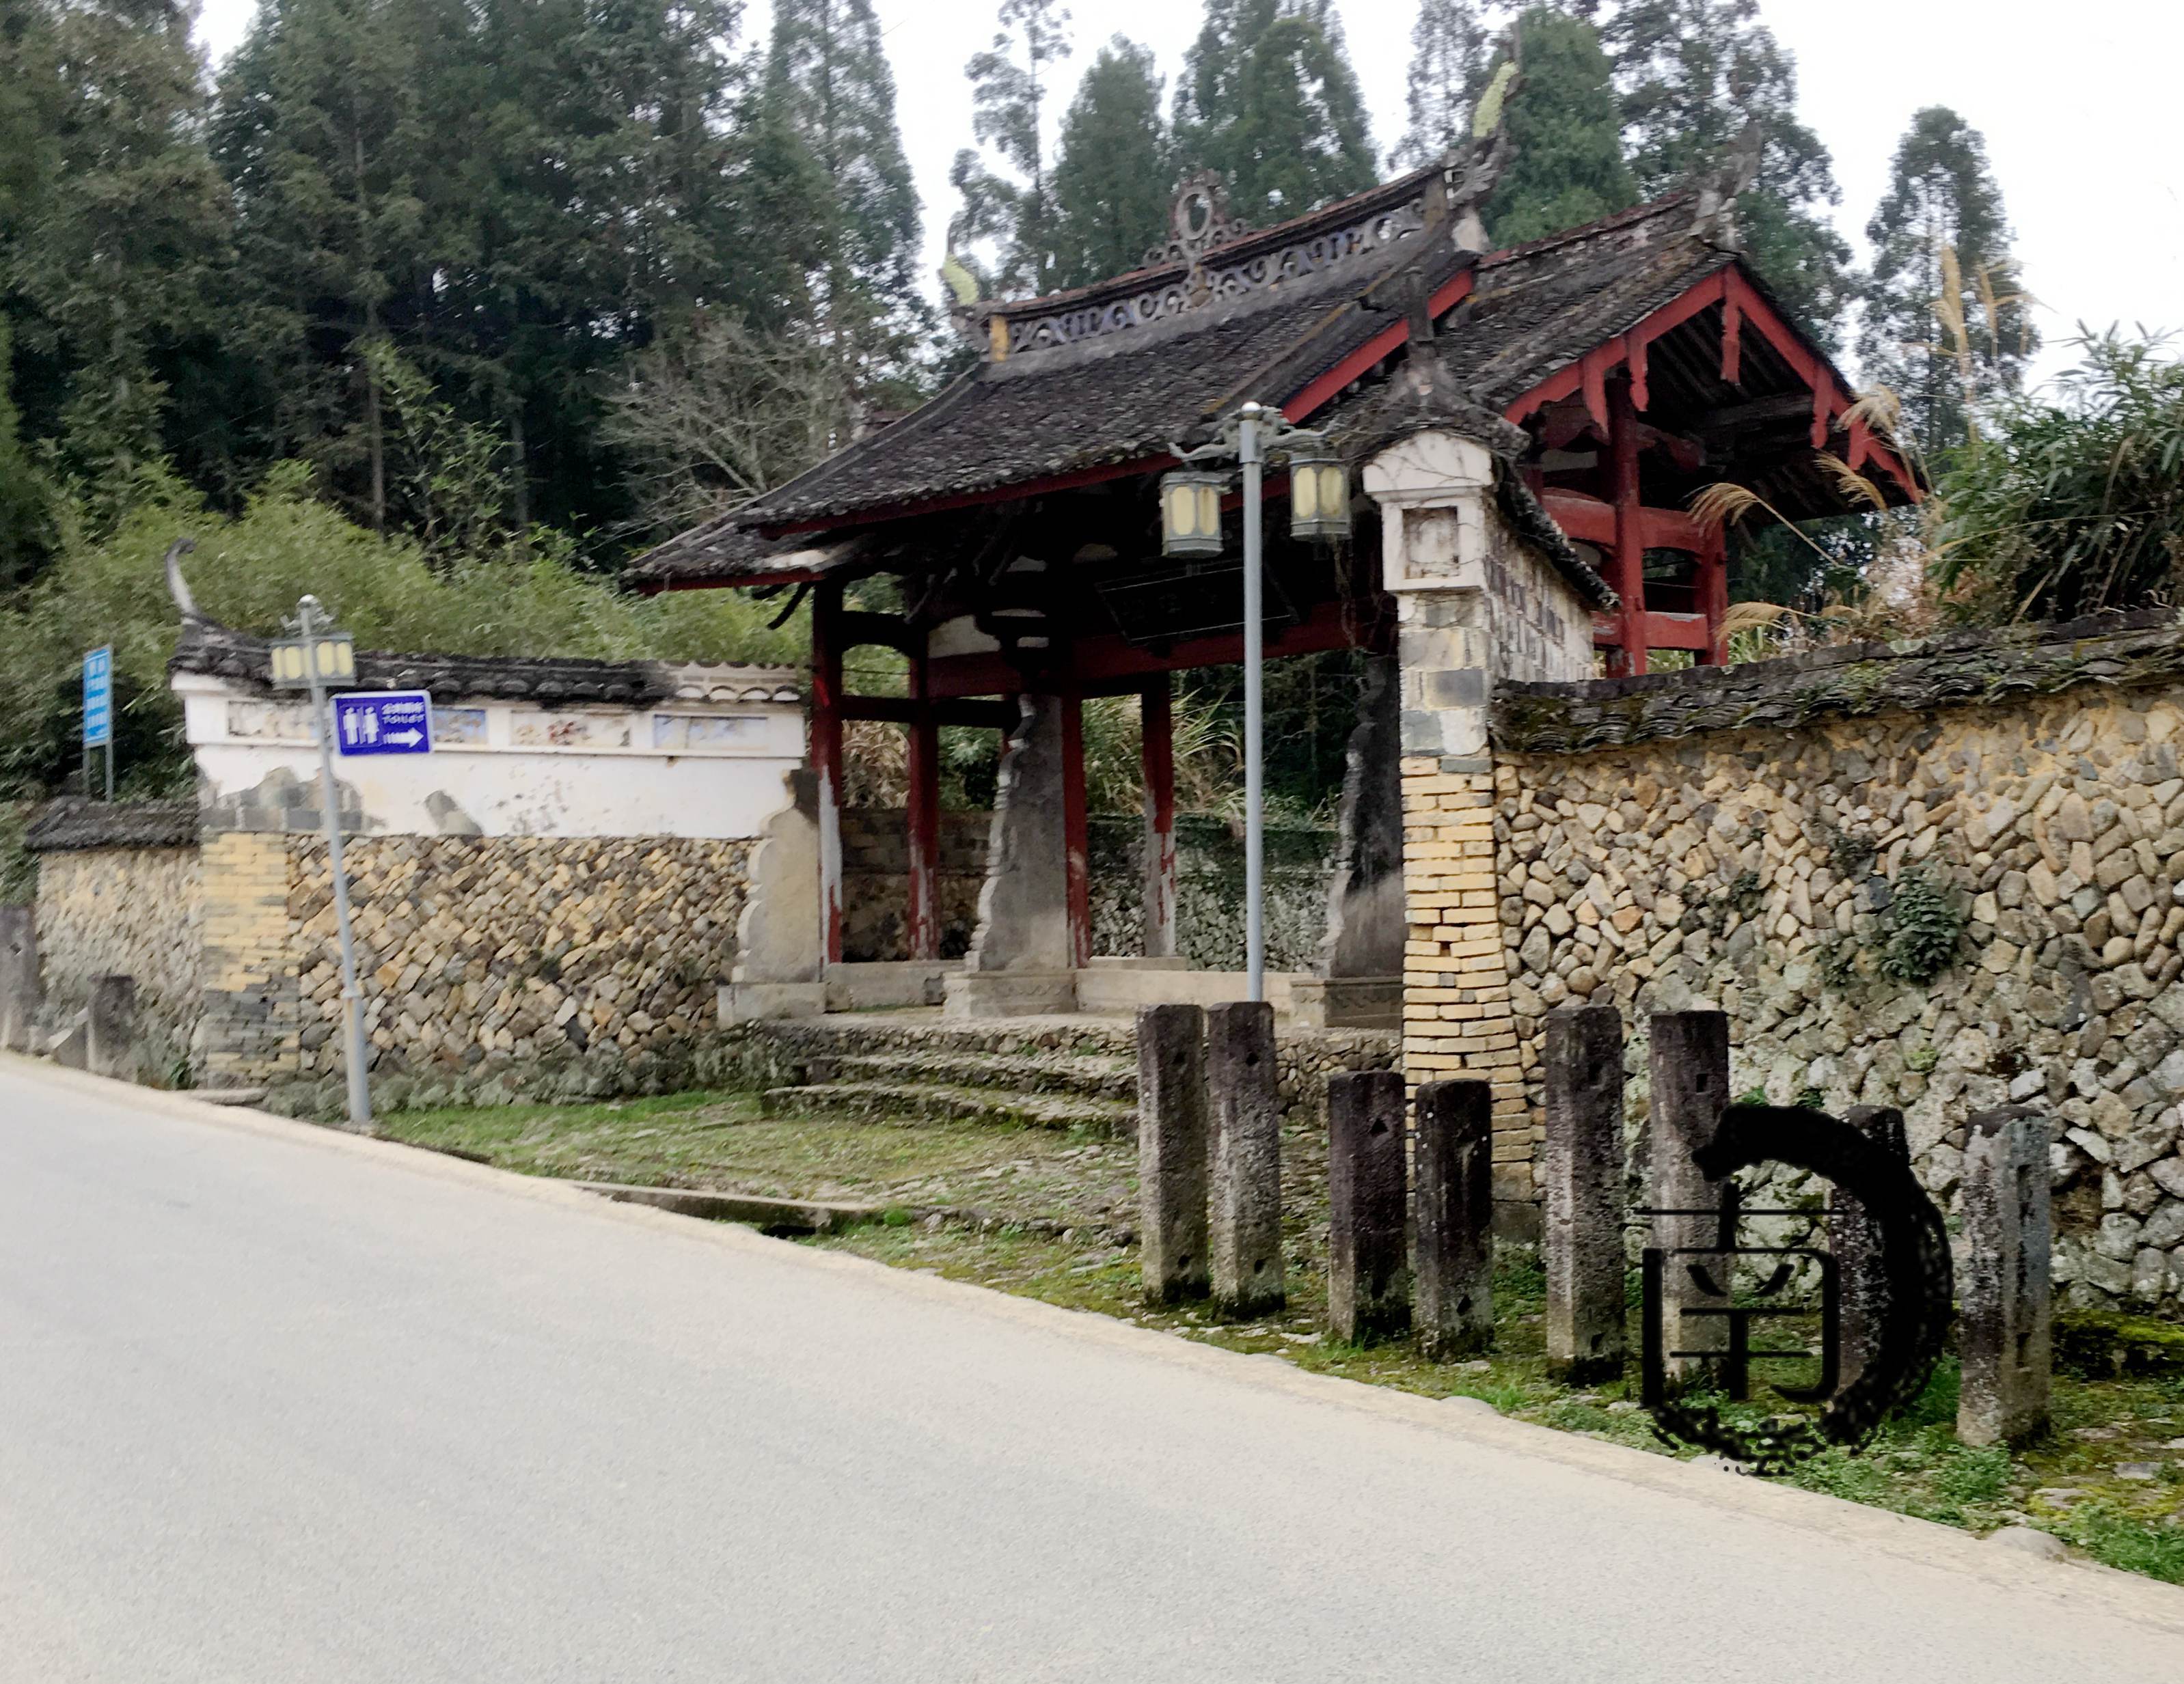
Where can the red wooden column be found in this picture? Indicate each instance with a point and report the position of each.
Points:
(827, 759)
(1076, 829)
(1629, 570)
(1156, 759)
(1714, 594)
(922, 812)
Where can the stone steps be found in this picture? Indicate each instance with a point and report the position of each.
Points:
(1091, 1076)
(950, 1103)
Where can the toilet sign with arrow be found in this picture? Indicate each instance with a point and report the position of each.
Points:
(383, 722)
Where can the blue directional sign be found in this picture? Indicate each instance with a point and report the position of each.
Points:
(383, 722)
(98, 698)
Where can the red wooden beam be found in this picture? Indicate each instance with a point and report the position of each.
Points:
(1732, 336)
(1108, 666)
(1629, 562)
(1660, 631)
(1325, 388)
(902, 710)
(827, 761)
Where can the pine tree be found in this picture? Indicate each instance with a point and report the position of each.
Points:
(1268, 99)
(320, 134)
(1111, 189)
(1013, 215)
(1946, 323)
(827, 80)
(113, 255)
(1567, 166)
(1450, 47)
(25, 502)
(1690, 74)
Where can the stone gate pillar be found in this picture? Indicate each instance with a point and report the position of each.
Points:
(1472, 604)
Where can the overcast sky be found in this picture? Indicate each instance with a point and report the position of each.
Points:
(2079, 105)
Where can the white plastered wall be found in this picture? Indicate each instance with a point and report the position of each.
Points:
(681, 768)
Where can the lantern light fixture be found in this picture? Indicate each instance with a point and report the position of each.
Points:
(1190, 512)
(1319, 494)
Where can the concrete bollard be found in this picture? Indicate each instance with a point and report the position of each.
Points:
(1452, 1300)
(2004, 1293)
(1583, 1244)
(1172, 1153)
(18, 977)
(1690, 1079)
(1244, 1115)
(110, 1039)
(1368, 1285)
(1855, 1242)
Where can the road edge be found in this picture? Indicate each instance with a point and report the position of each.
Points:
(2126, 1595)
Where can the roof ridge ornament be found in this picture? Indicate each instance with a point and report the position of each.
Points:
(1199, 220)
(1718, 190)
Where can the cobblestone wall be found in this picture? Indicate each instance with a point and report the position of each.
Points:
(2035, 848)
(500, 966)
(134, 912)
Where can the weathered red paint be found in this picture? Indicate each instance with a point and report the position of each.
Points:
(1327, 387)
(1629, 566)
(1108, 666)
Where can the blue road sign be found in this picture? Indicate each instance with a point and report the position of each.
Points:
(383, 722)
(98, 698)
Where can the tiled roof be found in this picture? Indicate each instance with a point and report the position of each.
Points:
(1117, 395)
(73, 823)
(217, 651)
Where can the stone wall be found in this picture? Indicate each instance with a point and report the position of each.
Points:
(1209, 886)
(1209, 890)
(500, 966)
(133, 912)
(876, 882)
(2035, 842)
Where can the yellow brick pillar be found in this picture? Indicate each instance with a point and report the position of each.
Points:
(1439, 526)
(249, 1026)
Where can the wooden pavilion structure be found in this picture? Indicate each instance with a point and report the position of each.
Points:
(1614, 370)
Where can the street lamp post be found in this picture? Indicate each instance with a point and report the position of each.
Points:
(1319, 508)
(316, 654)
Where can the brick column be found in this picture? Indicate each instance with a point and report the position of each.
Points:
(250, 986)
(1439, 523)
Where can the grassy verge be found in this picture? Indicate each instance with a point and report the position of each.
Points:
(1049, 1215)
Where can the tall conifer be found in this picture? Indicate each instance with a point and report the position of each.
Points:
(828, 80)
(1450, 47)
(1945, 321)
(1567, 166)
(1013, 214)
(1267, 97)
(1111, 187)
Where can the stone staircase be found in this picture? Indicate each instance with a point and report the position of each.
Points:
(967, 1073)
(1060, 1072)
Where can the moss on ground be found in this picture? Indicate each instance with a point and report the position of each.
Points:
(2108, 1478)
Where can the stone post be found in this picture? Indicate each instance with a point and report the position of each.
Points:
(2003, 1294)
(1246, 1115)
(1690, 1077)
(1855, 1242)
(1367, 1292)
(1020, 962)
(1583, 1156)
(1453, 1299)
(18, 977)
(111, 1044)
(1172, 1153)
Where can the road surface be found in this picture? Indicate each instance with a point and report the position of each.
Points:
(280, 1405)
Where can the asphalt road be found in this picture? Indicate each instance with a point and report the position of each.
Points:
(277, 1405)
